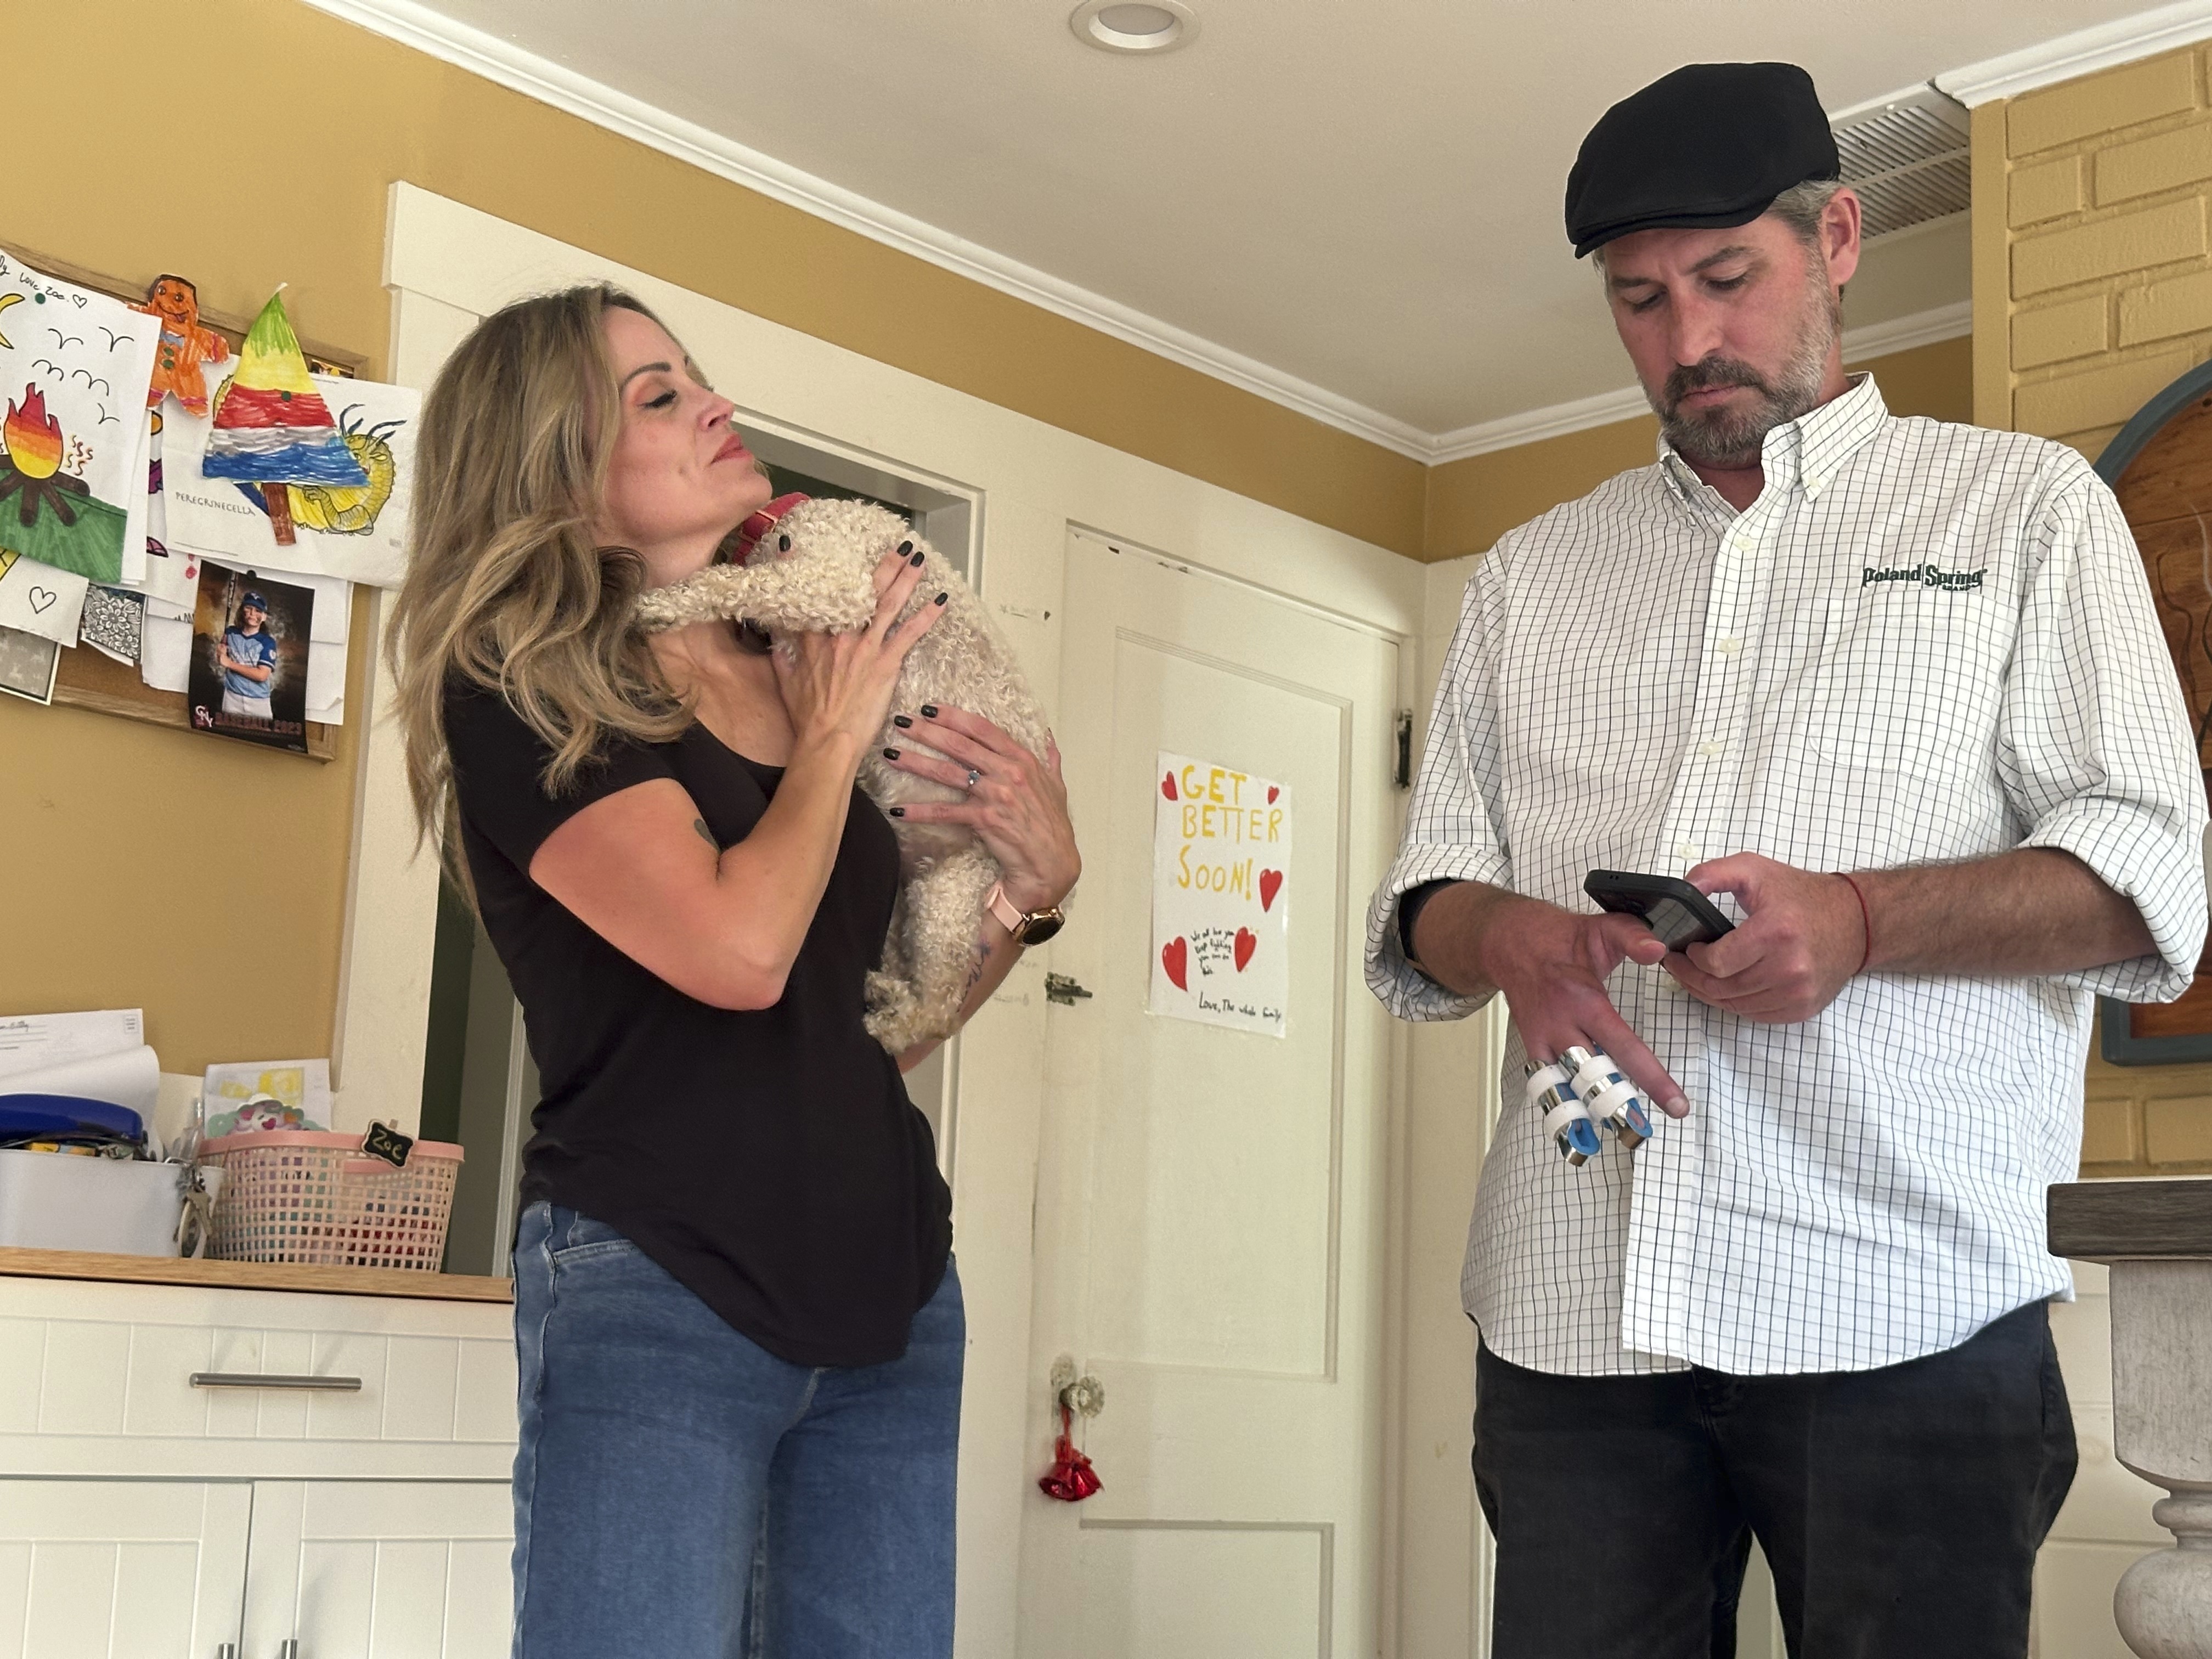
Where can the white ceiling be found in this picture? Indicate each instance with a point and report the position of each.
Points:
(1362, 197)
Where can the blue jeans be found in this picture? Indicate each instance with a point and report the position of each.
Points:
(680, 1491)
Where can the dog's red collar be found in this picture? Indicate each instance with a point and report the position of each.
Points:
(751, 531)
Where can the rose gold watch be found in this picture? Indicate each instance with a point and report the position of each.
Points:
(1028, 926)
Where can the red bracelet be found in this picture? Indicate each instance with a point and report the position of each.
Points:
(1866, 916)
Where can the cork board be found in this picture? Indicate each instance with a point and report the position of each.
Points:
(86, 679)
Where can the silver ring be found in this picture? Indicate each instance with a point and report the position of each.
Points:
(974, 778)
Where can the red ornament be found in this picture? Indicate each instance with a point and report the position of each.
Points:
(1071, 1479)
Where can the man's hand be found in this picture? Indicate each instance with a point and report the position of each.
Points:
(1552, 965)
(1804, 939)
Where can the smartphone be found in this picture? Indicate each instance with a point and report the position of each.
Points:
(1677, 912)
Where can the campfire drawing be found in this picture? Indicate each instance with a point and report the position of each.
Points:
(31, 470)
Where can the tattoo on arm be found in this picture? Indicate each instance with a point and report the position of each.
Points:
(705, 833)
(976, 968)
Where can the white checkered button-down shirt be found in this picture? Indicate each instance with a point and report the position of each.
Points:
(1923, 642)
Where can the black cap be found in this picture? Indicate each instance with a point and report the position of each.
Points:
(1709, 146)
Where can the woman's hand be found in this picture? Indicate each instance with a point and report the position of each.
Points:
(1018, 805)
(840, 685)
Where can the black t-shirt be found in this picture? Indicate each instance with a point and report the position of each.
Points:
(768, 1158)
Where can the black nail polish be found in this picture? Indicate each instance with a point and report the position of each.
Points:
(929, 710)
(941, 597)
(915, 562)
(891, 754)
(908, 547)
(902, 721)
(783, 543)
(898, 811)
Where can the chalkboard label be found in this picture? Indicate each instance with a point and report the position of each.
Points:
(385, 1142)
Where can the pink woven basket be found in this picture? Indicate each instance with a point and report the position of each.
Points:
(308, 1196)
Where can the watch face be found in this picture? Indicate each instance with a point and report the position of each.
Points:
(1040, 926)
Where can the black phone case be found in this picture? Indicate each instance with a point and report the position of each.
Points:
(1677, 912)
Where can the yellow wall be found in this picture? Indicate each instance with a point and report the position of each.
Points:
(1474, 501)
(204, 880)
(2093, 290)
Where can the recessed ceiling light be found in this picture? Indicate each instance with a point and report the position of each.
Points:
(1135, 25)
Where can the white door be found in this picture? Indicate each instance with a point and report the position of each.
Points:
(120, 1569)
(381, 1569)
(1209, 1223)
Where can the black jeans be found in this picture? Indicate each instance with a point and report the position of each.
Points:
(1900, 1508)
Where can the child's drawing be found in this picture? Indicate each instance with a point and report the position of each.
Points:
(271, 426)
(74, 369)
(186, 345)
(345, 512)
(37, 599)
(358, 533)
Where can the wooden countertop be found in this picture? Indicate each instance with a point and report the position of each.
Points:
(2132, 1219)
(23, 1263)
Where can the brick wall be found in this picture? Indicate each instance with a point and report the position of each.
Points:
(2147, 1120)
(2093, 291)
(2108, 294)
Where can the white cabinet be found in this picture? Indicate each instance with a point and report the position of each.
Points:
(178, 1569)
(371, 1569)
(120, 1569)
(144, 1518)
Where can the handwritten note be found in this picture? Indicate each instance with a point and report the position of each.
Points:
(1221, 862)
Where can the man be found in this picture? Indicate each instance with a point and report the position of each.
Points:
(1896, 691)
(248, 657)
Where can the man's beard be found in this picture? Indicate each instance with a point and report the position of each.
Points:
(1727, 438)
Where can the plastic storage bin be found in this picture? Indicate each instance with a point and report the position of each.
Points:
(54, 1202)
(308, 1196)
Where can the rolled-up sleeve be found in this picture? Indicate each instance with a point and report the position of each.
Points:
(2095, 745)
(1451, 825)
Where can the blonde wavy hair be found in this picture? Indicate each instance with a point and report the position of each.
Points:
(507, 588)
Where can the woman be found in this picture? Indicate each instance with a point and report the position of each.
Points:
(740, 1330)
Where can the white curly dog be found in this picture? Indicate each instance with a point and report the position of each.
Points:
(814, 571)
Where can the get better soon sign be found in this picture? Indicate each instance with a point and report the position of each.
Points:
(1221, 902)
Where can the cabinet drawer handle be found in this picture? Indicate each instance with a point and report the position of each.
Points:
(272, 1380)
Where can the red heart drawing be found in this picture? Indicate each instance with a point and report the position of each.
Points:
(1272, 793)
(1175, 957)
(1271, 882)
(1247, 942)
(1167, 787)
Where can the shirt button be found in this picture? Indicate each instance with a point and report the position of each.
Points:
(1730, 646)
(1709, 749)
(1683, 849)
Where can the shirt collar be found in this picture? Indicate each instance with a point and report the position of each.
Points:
(1811, 449)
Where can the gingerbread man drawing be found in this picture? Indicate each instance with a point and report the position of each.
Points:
(185, 345)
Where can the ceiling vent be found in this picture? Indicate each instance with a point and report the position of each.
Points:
(1905, 155)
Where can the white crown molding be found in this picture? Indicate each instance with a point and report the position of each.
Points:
(2070, 56)
(414, 25)
(1535, 425)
